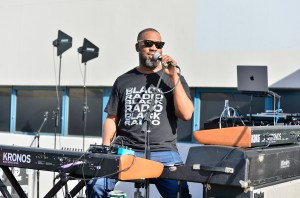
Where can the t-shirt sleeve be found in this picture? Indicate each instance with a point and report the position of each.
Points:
(114, 101)
(185, 87)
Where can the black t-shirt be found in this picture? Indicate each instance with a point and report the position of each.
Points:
(130, 99)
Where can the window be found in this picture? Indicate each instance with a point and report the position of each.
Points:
(5, 97)
(31, 108)
(93, 117)
(289, 101)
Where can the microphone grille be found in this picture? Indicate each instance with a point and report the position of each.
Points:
(156, 56)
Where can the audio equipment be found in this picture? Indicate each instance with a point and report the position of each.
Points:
(238, 167)
(250, 136)
(76, 164)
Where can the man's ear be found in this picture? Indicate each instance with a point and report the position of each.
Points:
(137, 47)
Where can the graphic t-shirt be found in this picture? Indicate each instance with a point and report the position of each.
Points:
(131, 98)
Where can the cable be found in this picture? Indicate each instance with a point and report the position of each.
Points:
(85, 103)
(98, 164)
(104, 176)
(56, 113)
(79, 66)
(111, 174)
(274, 110)
(276, 118)
(234, 115)
(177, 80)
(224, 158)
(55, 76)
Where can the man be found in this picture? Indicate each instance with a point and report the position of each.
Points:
(129, 103)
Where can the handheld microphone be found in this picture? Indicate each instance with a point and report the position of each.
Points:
(157, 56)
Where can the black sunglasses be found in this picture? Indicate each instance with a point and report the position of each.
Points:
(149, 43)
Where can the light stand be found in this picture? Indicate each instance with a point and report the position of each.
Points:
(37, 137)
(88, 51)
(63, 43)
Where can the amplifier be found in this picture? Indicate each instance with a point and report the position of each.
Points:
(239, 167)
(288, 189)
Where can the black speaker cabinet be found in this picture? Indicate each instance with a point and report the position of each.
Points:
(251, 167)
(286, 189)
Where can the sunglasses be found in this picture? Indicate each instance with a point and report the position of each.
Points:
(149, 43)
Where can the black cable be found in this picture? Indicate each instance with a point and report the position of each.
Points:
(179, 76)
(97, 172)
(105, 176)
(264, 147)
(209, 178)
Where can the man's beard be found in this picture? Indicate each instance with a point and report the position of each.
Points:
(150, 63)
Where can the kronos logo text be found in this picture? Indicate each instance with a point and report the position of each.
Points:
(15, 158)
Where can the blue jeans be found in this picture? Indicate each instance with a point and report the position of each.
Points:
(100, 188)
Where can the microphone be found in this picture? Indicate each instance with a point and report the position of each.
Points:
(46, 115)
(157, 56)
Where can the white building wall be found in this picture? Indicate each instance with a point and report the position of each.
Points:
(208, 38)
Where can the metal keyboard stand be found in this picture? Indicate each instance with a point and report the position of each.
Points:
(78, 187)
(4, 191)
(61, 183)
(13, 182)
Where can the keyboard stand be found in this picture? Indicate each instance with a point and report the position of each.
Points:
(4, 191)
(13, 182)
